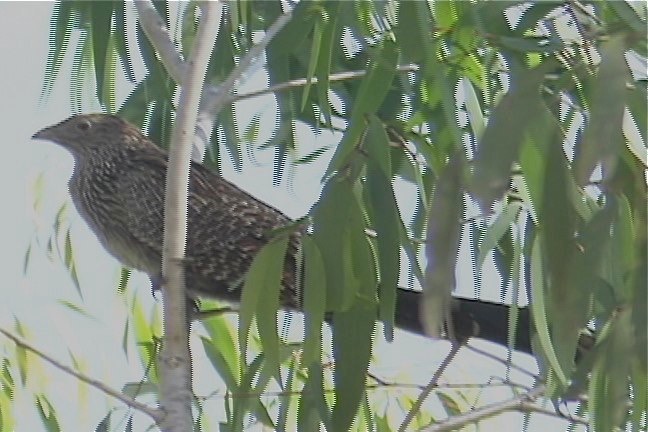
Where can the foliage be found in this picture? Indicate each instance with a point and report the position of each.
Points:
(519, 124)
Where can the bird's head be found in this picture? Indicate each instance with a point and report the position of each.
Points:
(85, 135)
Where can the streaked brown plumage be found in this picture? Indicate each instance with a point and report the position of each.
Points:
(118, 188)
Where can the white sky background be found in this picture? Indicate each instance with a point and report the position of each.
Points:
(96, 342)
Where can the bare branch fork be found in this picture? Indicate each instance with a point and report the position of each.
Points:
(215, 97)
(429, 387)
(175, 361)
(517, 403)
(156, 414)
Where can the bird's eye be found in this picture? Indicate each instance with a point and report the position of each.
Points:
(84, 125)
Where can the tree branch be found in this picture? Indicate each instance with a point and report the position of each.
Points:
(175, 361)
(217, 98)
(457, 422)
(526, 407)
(301, 82)
(158, 34)
(154, 413)
(428, 388)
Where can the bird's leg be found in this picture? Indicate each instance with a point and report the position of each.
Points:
(192, 305)
(156, 284)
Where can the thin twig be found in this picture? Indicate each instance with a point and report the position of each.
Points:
(217, 97)
(457, 422)
(154, 413)
(501, 360)
(381, 383)
(158, 34)
(301, 82)
(532, 407)
(428, 388)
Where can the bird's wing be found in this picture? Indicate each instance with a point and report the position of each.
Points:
(140, 187)
(226, 226)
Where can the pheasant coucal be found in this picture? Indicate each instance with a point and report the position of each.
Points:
(118, 188)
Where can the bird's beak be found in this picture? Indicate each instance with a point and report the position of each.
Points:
(43, 134)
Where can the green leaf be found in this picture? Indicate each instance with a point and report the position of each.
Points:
(635, 125)
(75, 308)
(331, 230)
(539, 310)
(251, 133)
(47, 413)
(603, 137)
(220, 362)
(316, 44)
(312, 156)
(414, 20)
(629, 15)
(222, 351)
(557, 224)
(134, 108)
(120, 40)
(64, 18)
(385, 218)
(104, 424)
(260, 298)
(352, 340)
(21, 353)
(504, 134)
(7, 420)
(71, 264)
(227, 123)
(608, 391)
(442, 245)
(189, 27)
(266, 316)
(473, 108)
(80, 64)
(445, 14)
(491, 16)
(124, 277)
(293, 33)
(450, 405)
(312, 410)
(108, 88)
(246, 404)
(372, 92)
(100, 18)
(531, 189)
(145, 340)
(286, 399)
(497, 229)
(314, 301)
(331, 35)
(515, 282)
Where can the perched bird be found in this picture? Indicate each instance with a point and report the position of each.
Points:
(118, 188)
